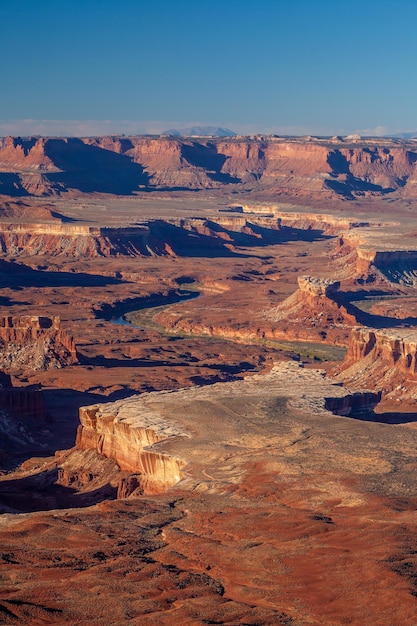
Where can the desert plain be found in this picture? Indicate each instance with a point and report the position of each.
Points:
(208, 402)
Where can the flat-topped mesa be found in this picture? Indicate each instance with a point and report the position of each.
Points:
(55, 227)
(386, 358)
(313, 313)
(386, 252)
(168, 237)
(73, 240)
(156, 237)
(154, 436)
(318, 287)
(33, 342)
(291, 216)
(114, 430)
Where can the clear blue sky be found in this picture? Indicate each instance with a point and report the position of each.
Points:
(316, 66)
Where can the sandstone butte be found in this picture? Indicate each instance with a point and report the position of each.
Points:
(208, 381)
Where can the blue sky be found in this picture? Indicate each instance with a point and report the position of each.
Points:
(131, 66)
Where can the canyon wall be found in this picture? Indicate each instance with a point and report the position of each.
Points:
(398, 348)
(367, 243)
(123, 165)
(25, 404)
(115, 431)
(387, 253)
(33, 343)
(169, 237)
(385, 359)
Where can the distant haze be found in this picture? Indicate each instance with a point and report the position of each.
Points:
(411, 135)
(200, 131)
(96, 128)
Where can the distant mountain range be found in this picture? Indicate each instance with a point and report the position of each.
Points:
(200, 131)
(410, 135)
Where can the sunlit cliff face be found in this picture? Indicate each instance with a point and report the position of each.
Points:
(320, 168)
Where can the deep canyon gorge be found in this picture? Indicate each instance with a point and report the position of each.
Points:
(208, 380)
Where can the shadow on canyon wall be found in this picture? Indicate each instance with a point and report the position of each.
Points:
(350, 183)
(39, 492)
(386, 418)
(210, 239)
(11, 185)
(206, 157)
(365, 318)
(91, 169)
(17, 276)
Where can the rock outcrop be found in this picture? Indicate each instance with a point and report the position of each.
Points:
(157, 441)
(385, 359)
(32, 342)
(120, 432)
(386, 253)
(168, 237)
(318, 287)
(123, 165)
(314, 312)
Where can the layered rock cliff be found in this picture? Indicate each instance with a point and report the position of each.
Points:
(161, 438)
(74, 241)
(25, 403)
(314, 312)
(33, 343)
(385, 253)
(120, 432)
(123, 165)
(169, 237)
(383, 358)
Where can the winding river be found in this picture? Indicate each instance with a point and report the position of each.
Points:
(126, 315)
(140, 313)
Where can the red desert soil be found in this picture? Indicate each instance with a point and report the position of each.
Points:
(207, 485)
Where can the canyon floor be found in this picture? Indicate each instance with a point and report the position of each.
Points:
(242, 459)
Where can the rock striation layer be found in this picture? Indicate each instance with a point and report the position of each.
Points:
(383, 358)
(314, 311)
(388, 253)
(122, 432)
(123, 165)
(166, 437)
(170, 237)
(32, 342)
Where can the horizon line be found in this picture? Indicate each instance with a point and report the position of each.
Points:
(132, 128)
